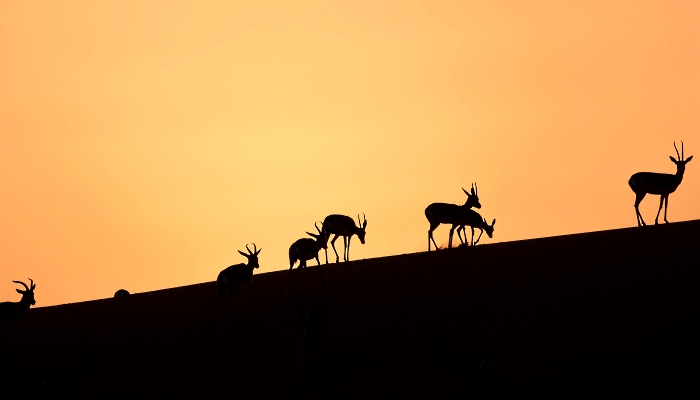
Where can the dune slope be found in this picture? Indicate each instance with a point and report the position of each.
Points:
(601, 314)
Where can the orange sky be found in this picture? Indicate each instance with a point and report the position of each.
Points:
(143, 143)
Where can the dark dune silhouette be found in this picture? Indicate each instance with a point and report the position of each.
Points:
(595, 315)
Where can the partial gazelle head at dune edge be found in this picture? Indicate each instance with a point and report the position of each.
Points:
(143, 143)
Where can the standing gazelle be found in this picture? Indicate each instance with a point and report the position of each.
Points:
(305, 249)
(661, 184)
(443, 213)
(342, 225)
(237, 275)
(12, 311)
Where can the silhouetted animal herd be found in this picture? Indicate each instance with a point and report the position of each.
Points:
(458, 216)
(312, 314)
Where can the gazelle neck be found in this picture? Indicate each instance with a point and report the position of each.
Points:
(680, 170)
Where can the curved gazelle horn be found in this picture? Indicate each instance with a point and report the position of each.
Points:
(677, 155)
(32, 286)
(255, 249)
(320, 231)
(365, 218)
(682, 151)
(22, 283)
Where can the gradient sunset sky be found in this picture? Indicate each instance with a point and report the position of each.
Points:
(143, 143)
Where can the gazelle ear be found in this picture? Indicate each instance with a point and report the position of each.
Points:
(364, 224)
(20, 291)
(243, 254)
(494, 222)
(258, 252)
(672, 159)
(689, 158)
(312, 235)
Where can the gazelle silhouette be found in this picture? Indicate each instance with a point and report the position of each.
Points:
(443, 213)
(473, 220)
(643, 183)
(12, 311)
(237, 275)
(342, 225)
(305, 249)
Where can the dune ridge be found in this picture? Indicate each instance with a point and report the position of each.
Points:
(599, 314)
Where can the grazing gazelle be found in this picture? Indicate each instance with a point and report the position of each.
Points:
(342, 225)
(655, 183)
(237, 275)
(473, 219)
(11, 311)
(305, 249)
(443, 213)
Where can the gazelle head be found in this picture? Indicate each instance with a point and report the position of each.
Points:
(489, 228)
(361, 230)
(252, 256)
(680, 163)
(322, 237)
(27, 295)
(472, 198)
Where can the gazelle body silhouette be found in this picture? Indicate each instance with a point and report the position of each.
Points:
(305, 249)
(443, 213)
(12, 311)
(237, 275)
(473, 220)
(342, 225)
(643, 183)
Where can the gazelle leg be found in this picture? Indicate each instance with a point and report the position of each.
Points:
(430, 236)
(347, 257)
(459, 233)
(326, 250)
(661, 204)
(477, 240)
(345, 247)
(666, 209)
(640, 197)
(334, 250)
(449, 241)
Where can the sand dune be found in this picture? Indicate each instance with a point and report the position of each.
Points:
(602, 314)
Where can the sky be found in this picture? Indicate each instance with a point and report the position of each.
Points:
(142, 143)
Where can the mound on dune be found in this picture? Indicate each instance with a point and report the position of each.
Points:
(602, 314)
